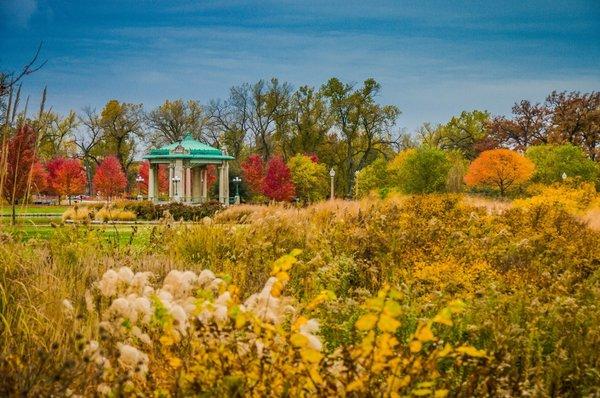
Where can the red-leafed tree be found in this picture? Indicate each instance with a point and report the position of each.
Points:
(211, 175)
(39, 178)
(66, 177)
(52, 167)
(110, 180)
(23, 175)
(277, 184)
(163, 178)
(253, 170)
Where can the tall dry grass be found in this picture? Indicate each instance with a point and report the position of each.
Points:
(529, 277)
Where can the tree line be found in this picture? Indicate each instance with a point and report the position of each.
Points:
(344, 125)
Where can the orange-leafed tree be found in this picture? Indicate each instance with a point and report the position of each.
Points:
(110, 180)
(500, 168)
(67, 177)
(22, 174)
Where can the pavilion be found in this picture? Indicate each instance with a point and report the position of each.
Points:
(188, 160)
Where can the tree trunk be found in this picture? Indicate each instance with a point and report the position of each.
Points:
(88, 171)
(14, 214)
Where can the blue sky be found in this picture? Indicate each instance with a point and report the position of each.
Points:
(433, 58)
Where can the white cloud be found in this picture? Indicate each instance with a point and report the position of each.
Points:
(17, 13)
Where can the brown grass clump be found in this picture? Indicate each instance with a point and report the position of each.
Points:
(77, 213)
(113, 214)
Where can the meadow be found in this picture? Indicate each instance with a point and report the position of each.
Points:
(430, 295)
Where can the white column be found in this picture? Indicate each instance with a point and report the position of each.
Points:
(205, 184)
(151, 192)
(196, 184)
(171, 190)
(188, 184)
(221, 185)
(226, 182)
(178, 172)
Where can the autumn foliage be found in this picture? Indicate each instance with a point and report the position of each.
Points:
(66, 177)
(499, 168)
(211, 176)
(23, 172)
(273, 180)
(277, 184)
(163, 178)
(110, 180)
(253, 170)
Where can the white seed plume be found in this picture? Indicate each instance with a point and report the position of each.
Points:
(131, 358)
(308, 330)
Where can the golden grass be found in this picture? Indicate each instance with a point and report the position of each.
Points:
(76, 213)
(113, 214)
(535, 269)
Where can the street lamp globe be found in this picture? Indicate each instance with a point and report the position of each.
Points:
(332, 172)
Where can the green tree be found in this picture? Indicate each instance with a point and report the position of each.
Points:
(56, 135)
(172, 120)
(268, 114)
(551, 161)
(310, 123)
(462, 133)
(373, 177)
(362, 126)
(121, 126)
(229, 120)
(424, 170)
(310, 178)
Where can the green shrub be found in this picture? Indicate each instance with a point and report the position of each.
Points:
(146, 210)
(424, 170)
(551, 161)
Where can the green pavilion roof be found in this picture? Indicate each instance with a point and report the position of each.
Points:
(188, 148)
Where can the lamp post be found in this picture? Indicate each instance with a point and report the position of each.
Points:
(332, 175)
(237, 181)
(356, 183)
(139, 179)
(175, 180)
(564, 176)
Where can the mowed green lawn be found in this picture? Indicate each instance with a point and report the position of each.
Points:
(43, 221)
(32, 215)
(34, 209)
(122, 234)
